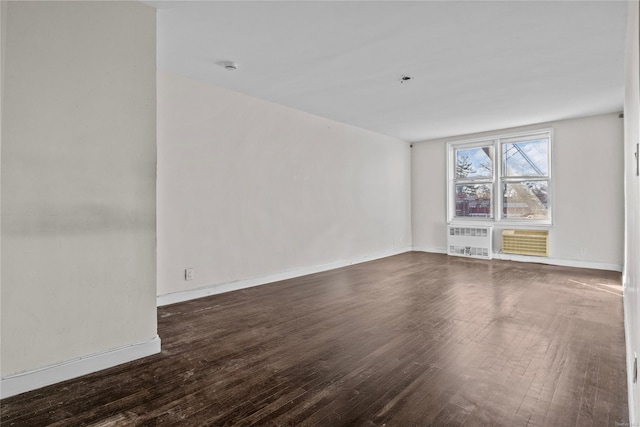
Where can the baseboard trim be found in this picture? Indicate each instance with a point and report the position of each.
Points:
(539, 260)
(38, 378)
(629, 360)
(175, 297)
(190, 294)
(560, 262)
(430, 250)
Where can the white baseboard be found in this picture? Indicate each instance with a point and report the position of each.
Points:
(187, 295)
(629, 359)
(561, 262)
(191, 294)
(430, 250)
(540, 260)
(31, 380)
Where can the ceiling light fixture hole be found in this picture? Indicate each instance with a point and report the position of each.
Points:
(231, 66)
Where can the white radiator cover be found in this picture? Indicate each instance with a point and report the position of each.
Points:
(470, 241)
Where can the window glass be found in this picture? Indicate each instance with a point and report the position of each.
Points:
(473, 200)
(526, 158)
(525, 200)
(474, 162)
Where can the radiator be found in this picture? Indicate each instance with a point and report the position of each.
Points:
(473, 242)
(526, 242)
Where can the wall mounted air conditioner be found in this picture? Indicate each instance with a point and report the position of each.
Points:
(473, 242)
(526, 242)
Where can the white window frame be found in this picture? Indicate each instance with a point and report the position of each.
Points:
(498, 179)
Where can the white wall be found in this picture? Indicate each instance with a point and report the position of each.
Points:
(588, 199)
(3, 38)
(249, 189)
(78, 186)
(631, 274)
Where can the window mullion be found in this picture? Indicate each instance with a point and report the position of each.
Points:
(524, 178)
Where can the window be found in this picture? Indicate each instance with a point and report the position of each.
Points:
(473, 181)
(506, 178)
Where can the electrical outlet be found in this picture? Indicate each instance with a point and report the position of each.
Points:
(188, 274)
(583, 251)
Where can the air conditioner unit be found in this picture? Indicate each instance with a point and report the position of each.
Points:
(526, 242)
(473, 242)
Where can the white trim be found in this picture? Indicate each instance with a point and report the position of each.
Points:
(494, 136)
(430, 250)
(537, 260)
(518, 224)
(561, 262)
(37, 378)
(219, 288)
(629, 359)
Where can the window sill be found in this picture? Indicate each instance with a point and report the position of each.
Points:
(501, 224)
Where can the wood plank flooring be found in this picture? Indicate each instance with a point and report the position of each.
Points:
(411, 340)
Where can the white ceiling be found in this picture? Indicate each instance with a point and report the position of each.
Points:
(476, 65)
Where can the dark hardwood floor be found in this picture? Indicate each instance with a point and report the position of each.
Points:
(411, 340)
